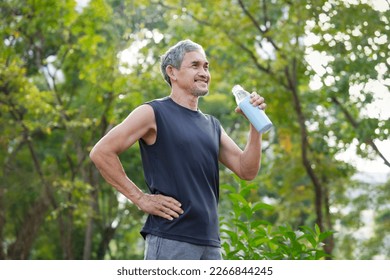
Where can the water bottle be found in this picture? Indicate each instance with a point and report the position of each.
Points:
(256, 116)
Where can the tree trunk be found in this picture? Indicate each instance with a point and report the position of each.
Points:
(305, 145)
(2, 222)
(108, 234)
(329, 242)
(35, 216)
(20, 248)
(87, 252)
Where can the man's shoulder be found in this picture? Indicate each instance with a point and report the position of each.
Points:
(159, 104)
(161, 100)
(212, 118)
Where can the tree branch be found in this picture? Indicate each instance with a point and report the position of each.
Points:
(355, 124)
(257, 25)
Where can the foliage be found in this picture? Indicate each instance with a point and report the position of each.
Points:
(314, 123)
(66, 79)
(246, 234)
(60, 82)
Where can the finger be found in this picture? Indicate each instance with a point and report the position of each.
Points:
(158, 209)
(262, 106)
(171, 200)
(252, 97)
(257, 100)
(166, 212)
(159, 205)
(170, 206)
(171, 203)
(176, 209)
(164, 215)
(172, 209)
(170, 213)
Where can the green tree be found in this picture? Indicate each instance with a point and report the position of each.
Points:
(66, 79)
(271, 39)
(60, 83)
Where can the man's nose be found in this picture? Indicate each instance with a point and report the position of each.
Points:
(203, 72)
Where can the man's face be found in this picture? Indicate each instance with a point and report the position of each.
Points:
(193, 75)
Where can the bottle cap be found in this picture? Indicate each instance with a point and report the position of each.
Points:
(236, 88)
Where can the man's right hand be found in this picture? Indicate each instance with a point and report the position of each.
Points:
(160, 205)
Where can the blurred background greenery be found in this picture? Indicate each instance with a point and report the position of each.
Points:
(71, 70)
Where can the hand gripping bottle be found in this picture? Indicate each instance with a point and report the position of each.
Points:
(256, 116)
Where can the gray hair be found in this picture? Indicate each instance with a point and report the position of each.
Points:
(174, 56)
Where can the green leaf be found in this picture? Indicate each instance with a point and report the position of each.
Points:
(228, 188)
(324, 235)
(262, 206)
(237, 198)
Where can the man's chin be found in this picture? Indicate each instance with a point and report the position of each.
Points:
(200, 92)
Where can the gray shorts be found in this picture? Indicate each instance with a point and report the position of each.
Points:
(158, 248)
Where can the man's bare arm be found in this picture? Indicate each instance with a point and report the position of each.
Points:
(244, 163)
(139, 124)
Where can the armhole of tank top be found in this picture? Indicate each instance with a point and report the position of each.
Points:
(219, 128)
(155, 120)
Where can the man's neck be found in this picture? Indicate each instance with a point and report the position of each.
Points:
(185, 99)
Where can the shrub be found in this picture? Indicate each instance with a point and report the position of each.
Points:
(246, 237)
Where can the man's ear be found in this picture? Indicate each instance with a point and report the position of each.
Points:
(171, 72)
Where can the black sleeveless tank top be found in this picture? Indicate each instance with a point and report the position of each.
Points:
(183, 164)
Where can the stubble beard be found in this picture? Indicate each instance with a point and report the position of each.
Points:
(199, 92)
